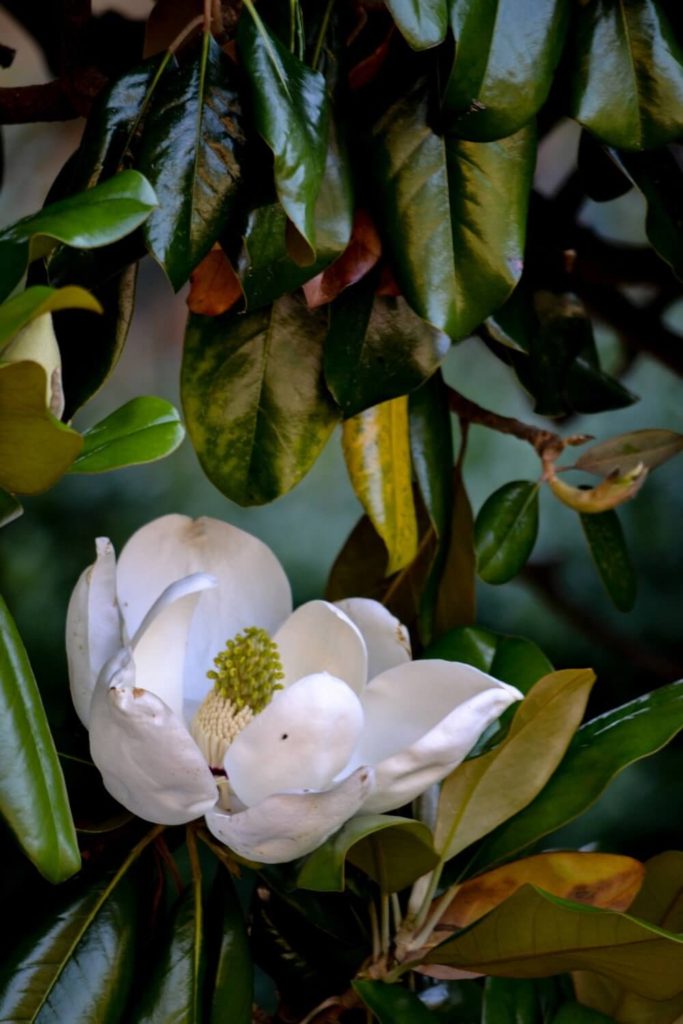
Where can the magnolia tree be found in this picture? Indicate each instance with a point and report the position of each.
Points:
(350, 810)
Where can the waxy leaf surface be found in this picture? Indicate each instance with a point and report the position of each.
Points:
(423, 23)
(142, 430)
(608, 547)
(505, 531)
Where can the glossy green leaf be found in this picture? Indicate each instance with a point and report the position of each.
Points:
(513, 659)
(506, 52)
(393, 851)
(377, 349)
(600, 750)
(608, 547)
(505, 531)
(487, 790)
(80, 965)
(33, 797)
(10, 508)
(35, 448)
(431, 447)
(510, 1001)
(392, 1004)
(563, 936)
(255, 404)
(628, 77)
(290, 111)
(21, 309)
(232, 995)
(192, 153)
(625, 452)
(658, 175)
(142, 430)
(423, 23)
(453, 214)
(98, 217)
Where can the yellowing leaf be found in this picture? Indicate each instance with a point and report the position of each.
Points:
(623, 453)
(485, 791)
(613, 491)
(377, 452)
(35, 448)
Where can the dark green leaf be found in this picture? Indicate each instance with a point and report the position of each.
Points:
(290, 111)
(505, 531)
(600, 750)
(431, 446)
(142, 430)
(607, 544)
(392, 1004)
(192, 151)
(506, 52)
(453, 212)
(393, 851)
(659, 176)
(10, 508)
(423, 23)
(377, 349)
(21, 309)
(33, 798)
(510, 1001)
(575, 1013)
(628, 78)
(511, 658)
(254, 399)
(601, 177)
(233, 990)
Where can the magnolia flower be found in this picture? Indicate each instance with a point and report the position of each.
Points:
(204, 694)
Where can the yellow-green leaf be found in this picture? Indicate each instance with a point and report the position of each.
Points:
(28, 305)
(377, 452)
(611, 493)
(485, 791)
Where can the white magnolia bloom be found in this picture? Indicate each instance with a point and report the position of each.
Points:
(291, 736)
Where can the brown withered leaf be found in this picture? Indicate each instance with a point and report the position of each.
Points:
(366, 70)
(359, 257)
(214, 285)
(387, 284)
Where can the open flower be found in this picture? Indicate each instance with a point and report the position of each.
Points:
(204, 694)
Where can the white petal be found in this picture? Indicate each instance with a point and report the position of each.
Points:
(318, 637)
(301, 741)
(290, 825)
(148, 760)
(252, 587)
(161, 641)
(93, 626)
(386, 638)
(422, 719)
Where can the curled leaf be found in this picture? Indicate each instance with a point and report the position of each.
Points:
(613, 491)
(359, 257)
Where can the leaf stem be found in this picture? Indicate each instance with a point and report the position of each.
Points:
(374, 930)
(385, 908)
(320, 41)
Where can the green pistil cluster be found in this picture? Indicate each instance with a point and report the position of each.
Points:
(248, 670)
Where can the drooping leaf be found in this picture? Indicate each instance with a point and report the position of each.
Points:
(505, 57)
(80, 964)
(142, 430)
(505, 531)
(35, 448)
(487, 790)
(612, 492)
(255, 404)
(628, 76)
(33, 797)
(599, 171)
(453, 213)
(658, 175)
(393, 851)
(10, 508)
(192, 151)
(377, 453)
(423, 23)
(233, 988)
(513, 659)
(600, 750)
(608, 546)
(33, 302)
(625, 452)
(377, 349)
(290, 110)
(98, 217)
(566, 936)
(431, 447)
(214, 286)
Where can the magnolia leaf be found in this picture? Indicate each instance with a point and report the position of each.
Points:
(600, 750)
(192, 151)
(607, 544)
(214, 285)
(624, 453)
(506, 52)
(513, 659)
(567, 936)
(10, 508)
(512, 1001)
(377, 453)
(505, 531)
(357, 260)
(142, 430)
(611, 493)
(453, 214)
(600, 174)
(233, 994)
(393, 851)
(658, 176)
(28, 305)
(487, 790)
(35, 448)
(423, 23)
(628, 81)
(290, 110)
(392, 1004)
(33, 797)
(256, 407)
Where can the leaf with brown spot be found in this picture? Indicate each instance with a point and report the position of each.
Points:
(214, 285)
(359, 257)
